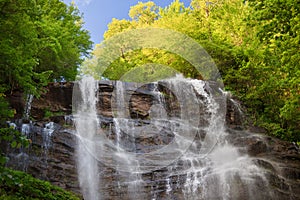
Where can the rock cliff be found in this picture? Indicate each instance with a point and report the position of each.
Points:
(51, 156)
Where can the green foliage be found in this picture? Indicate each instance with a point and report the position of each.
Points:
(255, 45)
(22, 186)
(270, 77)
(39, 41)
(62, 40)
(15, 184)
(144, 13)
(18, 44)
(140, 61)
(8, 134)
(5, 113)
(14, 137)
(189, 21)
(48, 114)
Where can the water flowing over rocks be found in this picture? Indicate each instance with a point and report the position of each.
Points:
(275, 173)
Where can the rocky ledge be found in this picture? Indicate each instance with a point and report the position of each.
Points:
(51, 155)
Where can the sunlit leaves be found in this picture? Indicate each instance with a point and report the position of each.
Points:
(273, 69)
(144, 13)
(117, 26)
(255, 45)
(39, 41)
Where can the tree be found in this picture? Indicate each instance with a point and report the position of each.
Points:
(271, 74)
(18, 44)
(40, 40)
(144, 13)
(255, 45)
(63, 42)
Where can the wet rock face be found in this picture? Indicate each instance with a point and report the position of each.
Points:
(52, 154)
(139, 100)
(56, 101)
(55, 162)
(280, 159)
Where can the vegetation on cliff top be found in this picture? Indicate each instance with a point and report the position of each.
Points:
(255, 45)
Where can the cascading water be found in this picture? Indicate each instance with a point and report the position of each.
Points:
(122, 123)
(219, 171)
(29, 99)
(181, 145)
(46, 134)
(86, 126)
(26, 129)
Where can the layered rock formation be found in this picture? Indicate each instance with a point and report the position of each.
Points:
(51, 156)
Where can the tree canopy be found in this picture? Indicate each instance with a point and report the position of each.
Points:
(39, 41)
(255, 45)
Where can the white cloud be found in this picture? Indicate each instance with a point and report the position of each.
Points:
(83, 2)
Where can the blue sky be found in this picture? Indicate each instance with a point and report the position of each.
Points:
(98, 13)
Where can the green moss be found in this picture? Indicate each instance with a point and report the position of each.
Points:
(22, 186)
(48, 113)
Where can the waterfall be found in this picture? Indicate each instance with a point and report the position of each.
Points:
(27, 109)
(26, 129)
(220, 172)
(46, 134)
(129, 168)
(180, 144)
(86, 127)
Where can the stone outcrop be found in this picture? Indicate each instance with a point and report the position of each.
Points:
(51, 156)
(56, 99)
(279, 158)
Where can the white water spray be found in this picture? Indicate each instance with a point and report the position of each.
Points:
(29, 99)
(204, 168)
(86, 126)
